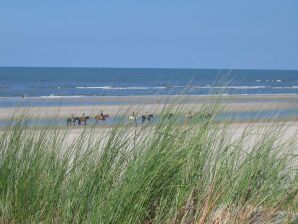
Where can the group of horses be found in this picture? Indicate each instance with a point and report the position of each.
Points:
(102, 117)
(144, 118)
(83, 120)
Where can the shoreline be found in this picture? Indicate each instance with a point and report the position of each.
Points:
(277, 95)
(154, 104)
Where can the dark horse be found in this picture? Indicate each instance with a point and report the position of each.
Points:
(146, 117)
(72, 120)
(101, 117)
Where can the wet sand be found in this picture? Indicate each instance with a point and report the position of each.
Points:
(155, 104)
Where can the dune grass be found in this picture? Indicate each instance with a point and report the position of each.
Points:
(171, 172)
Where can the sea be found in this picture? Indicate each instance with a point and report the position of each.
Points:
(25, 83)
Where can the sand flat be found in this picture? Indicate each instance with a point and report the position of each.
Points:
(156, 104)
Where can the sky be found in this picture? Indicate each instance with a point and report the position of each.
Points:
(229, 34)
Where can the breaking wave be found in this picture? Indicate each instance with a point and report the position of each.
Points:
(121, 88)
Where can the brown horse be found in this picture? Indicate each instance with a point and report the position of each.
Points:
(83, 120)
(101, 117)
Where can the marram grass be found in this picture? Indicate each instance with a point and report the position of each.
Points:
(171, 172)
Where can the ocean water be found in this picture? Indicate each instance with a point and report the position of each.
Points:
(17, 82)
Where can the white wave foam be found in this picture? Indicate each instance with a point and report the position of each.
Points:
(224, 87)
(120, 88)
(243, 87)
(57, 96)
(228, 87)
(187, 87)
(285, 87)
(247, 87)
(267, 80)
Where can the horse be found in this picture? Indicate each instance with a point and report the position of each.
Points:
(72, 120)
(146, 117)
(83, 120)
(101, 117)
(133, 116)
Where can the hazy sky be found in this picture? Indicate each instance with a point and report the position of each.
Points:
(156, 33)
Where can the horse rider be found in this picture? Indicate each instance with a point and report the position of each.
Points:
(103, 116)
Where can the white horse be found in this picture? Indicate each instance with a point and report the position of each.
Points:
(133, 116)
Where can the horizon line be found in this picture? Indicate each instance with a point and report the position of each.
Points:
(123, 67)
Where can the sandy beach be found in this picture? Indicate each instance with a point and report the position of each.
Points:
(155, 104)
(290, 129)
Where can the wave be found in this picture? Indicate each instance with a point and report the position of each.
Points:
(245, 87)
(223, 87)
(268, 80)
(57, 96)
(238, 87)
(185, 87)
(285, 87)
(120, 88)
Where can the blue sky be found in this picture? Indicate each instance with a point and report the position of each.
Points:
(156, 33)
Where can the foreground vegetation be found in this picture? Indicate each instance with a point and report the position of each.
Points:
(169, 173)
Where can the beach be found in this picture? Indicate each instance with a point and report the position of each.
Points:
(181, 105)
(248, 144)
(154, 105)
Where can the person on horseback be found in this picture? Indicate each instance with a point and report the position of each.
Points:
(103, 116)
(83, 119)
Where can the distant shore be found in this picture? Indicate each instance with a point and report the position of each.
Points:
(148, 97)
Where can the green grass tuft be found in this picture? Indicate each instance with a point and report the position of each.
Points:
(172, 172)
